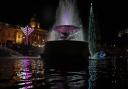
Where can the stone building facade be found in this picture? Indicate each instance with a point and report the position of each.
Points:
(13, 34)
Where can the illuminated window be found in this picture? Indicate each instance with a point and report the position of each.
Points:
(19, 38)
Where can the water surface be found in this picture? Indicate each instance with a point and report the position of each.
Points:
(30, 73)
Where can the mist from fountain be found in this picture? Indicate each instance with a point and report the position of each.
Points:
(67, 15)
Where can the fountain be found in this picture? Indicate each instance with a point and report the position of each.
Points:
(66, 52)
(66, 34)
(66, 31)
(67, 20)
(66, 37)
(93, 51)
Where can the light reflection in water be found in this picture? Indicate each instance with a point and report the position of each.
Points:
(27, 72)
(23, 73)
(57, 79)
(92, 73)
(76, 80)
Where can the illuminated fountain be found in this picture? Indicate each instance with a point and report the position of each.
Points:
(68, 25)
(66, 52)
(92, 49)
(67, 31)
(66, 36)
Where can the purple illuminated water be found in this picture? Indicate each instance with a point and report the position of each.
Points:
(67, 16)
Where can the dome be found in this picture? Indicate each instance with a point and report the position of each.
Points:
(34, 23)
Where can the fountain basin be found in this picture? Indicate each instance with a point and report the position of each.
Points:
(66, 54)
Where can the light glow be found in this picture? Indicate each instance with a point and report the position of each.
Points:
(66, 19)
(27, 30)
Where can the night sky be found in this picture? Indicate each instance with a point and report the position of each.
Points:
(110, 16)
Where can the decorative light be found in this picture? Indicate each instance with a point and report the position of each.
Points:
(27, 30)
(101, 55)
